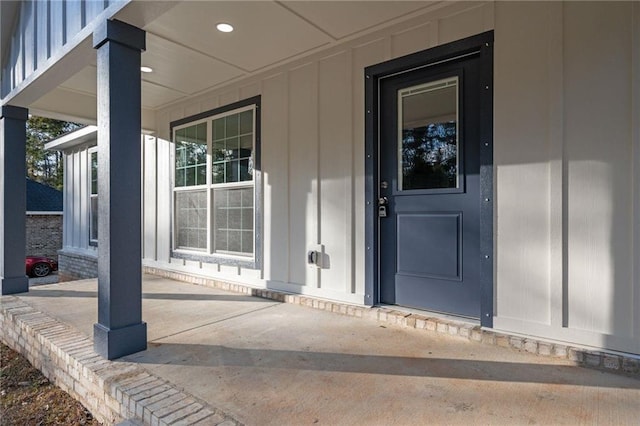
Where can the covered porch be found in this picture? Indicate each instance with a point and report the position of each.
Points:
(221, 357)
(559, 257)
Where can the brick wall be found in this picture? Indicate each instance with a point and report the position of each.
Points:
(44, 235)
(112, 391)
(74, 265)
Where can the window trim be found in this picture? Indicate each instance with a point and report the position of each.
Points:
(208, 256)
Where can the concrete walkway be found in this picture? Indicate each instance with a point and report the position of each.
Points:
(267, 363)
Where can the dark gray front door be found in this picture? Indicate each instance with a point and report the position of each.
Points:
(429, 185)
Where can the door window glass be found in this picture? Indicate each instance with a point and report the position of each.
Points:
(428, 143)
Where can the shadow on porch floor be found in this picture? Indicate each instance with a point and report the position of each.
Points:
(265, 362)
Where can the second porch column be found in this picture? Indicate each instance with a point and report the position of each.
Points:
(120, 330)
(13, 199)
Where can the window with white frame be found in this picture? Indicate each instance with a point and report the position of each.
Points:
(93, 196)
(214, 183)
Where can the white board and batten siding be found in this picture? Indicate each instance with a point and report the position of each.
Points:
(312, 154)
(76, 200)
(566, 158)
(44, 31)
(566, 163)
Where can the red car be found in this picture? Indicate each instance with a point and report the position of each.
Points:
(39, 266)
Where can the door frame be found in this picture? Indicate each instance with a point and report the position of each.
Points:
(481, 44)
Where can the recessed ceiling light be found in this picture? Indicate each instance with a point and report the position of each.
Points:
(146, 69)
(224, 27)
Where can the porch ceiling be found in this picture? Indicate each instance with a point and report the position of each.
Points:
(189, 56)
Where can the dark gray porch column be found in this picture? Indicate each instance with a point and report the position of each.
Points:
(120, 330)
(13, 199)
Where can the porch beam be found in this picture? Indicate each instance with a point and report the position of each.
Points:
(13, 199)
(120, 330)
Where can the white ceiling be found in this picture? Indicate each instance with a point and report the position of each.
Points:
(189, 55)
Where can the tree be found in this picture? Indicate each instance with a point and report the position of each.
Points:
(45, 166)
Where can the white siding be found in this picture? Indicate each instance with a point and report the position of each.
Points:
(76, 200)
(45, 29)
(566, 162)
(312, 157)
(149, 196)
(566, 141)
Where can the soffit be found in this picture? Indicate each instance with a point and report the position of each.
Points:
(189, 56)
(343, 18)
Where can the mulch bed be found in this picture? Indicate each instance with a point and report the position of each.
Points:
(29, 398)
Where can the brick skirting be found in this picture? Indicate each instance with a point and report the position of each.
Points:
(73, 265)
(111, 390)
(603, 360)
(43, 234)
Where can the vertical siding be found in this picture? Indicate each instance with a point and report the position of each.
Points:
(566, 158)
(42, 30)
(149, 194)
(42, 39)
(521, 157)
(567, 145)
(29, 37)
(56, 33)
(68, 201)
(313, 156)
(83, 195)
(275, 166)
(164, 196)
(303, 171)
(334, 116)
(599, 156)
(77, 202)
(77, 193)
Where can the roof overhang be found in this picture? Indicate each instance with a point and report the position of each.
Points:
(76, 138)
(187, 64)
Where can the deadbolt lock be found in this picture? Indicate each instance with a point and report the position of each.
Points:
(382, 206)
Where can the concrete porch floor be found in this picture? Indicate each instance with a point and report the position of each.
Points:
(263, 362)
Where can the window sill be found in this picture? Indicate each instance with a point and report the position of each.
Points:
(217, 259)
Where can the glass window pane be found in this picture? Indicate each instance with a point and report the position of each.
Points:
(246, 145)
(191, 223)
(428, 138)
(218, 129)
(246, 171)
(231, 171)
(233, 147)
(235, 218)
(190, 176)
(94, 218)
(201, 133)
(235, 198)
(221, 241)
(233, 226)
(247, 242)
(190, 134)
(233, 140)
(191, 154)
(94, 173)
(218, 153)
(247, 218)
(201, 175)
(180, 177)
(232, 125)
(217, 173)
(246, 122)
(180, 135)
(234, 241)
